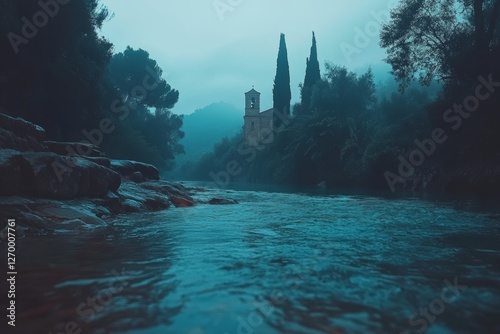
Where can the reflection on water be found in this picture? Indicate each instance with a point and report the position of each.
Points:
(113, 280)
(275, 263)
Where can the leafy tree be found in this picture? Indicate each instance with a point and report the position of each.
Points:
(137, 78)
(455, 41)
(329, 143)
(343, 93)
(163, 130)
(452, 40)
(128, 70)
(313, 75)
(400, 120)
(282, 94)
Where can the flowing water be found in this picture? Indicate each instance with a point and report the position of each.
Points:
(276, 263)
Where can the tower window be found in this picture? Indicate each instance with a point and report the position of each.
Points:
(252, 125)
(252, 103)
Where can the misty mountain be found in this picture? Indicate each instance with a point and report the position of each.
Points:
(207, 126)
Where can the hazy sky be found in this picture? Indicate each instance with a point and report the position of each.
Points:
(215, 50)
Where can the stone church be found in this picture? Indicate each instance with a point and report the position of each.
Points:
(258, 126)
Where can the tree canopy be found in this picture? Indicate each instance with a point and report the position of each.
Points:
(451, 40)
(56, 71)
(128, 70)
(148, 99)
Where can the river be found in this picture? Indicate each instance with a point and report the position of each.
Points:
(278, 262)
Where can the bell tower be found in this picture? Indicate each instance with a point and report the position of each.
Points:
(252, 102)
(252, 124)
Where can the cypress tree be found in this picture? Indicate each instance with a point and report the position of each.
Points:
(282, 94)
(312, 76)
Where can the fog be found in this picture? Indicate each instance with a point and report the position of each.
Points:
(215, 51)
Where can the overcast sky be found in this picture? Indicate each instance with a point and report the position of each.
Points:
(215, 50)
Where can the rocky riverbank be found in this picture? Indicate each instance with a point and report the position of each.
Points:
(47, 186)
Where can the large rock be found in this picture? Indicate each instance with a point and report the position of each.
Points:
(181, 202)
(128, 167)
(177, 194)
(53, 176)
(103, 161)
(20, 135)
(112, 202)
(131, 192)
(21, 127)
(73, 149)
(100, 179)
(136, 177)
(168, 188)
(9, 140)
(222, 201)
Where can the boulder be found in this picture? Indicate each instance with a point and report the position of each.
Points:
(177, 194)
(128, 167)
(168, 188)
(9, 140)
(105, 162)
(73, 149)
(222, 201)
(101, 180)
(20, 135)
(181, 202)
(111, 202)
(131, 206)
(21, 127)
(136, 177)
(151, 200)
(52, 176)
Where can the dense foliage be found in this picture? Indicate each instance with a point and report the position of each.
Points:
(347, 137)
(148, 99)
(445, 56)
(56, 71)
(52, 74)
(458, 42)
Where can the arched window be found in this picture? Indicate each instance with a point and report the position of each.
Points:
(252, 103)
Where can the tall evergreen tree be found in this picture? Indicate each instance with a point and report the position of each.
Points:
(312, 76)
(282, 94)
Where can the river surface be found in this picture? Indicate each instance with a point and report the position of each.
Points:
(278, 262)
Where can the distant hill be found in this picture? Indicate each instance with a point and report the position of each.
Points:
(207, 126)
